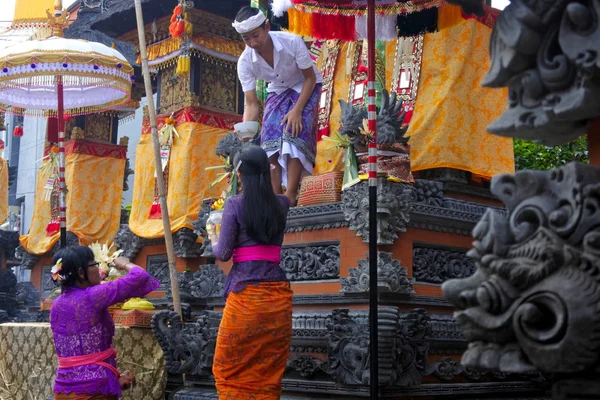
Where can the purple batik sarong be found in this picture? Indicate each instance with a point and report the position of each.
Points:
(274, 137)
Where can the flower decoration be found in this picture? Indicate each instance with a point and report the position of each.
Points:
(56, 271)
(65, 65)
(218, 205)
(104, 255)
(4, 69)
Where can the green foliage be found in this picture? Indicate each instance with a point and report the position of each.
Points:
(530, 155)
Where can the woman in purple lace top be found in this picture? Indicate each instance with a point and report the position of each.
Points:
(82, 327)
(256, 328)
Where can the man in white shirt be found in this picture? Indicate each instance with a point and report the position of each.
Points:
(289, 128)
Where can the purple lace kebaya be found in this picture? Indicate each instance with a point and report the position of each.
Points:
(233, 235)
(82, 325)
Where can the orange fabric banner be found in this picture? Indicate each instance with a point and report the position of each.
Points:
(95, 185)
(3, 189)
(188, 182)
(448, 128)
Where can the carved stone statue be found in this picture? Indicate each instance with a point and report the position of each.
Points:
(533, 302)
(393, 209)
(546, 52)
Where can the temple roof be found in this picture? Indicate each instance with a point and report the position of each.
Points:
(119, 18)
(80, 29)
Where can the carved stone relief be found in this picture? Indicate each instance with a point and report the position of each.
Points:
(546, 53)
(72, 240)
(391, 276)
(303, 263)
(158, 267)
(393, 209)
(533, 302)
(435, 265)
(185, 245)
(47, 284)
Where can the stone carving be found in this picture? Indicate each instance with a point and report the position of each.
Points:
(309, 218)
(8, 292)
(27, 260)
(208, 282)
(129, 242)
(228, 146)
(47, 285)
(302, 263)
(72, 240)
(306, 366)
(391, 276)
(412, 348)
(200, 228)
(348, 349)
(128, 172)
(27, 294)
(445, 175)
(446, 369)
(546, 53)
(189, 348)
(158, 267)
(393, 209)
(184, 242)
(428, 192)
(9, 241)
(433, 265)
(533, 302)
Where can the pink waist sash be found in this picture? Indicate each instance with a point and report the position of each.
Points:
(95, 358)
(257, 253)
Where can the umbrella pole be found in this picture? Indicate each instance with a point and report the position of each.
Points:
(157, 162)
(62, 203)
(372, 121)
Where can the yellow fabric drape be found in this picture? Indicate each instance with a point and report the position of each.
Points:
(448, 128)
(3, 189)
(171, 45)
(32, 11)
(449, 15)
(94, 187)
(188, 182)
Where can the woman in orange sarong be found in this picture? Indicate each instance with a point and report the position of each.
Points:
(256, 329)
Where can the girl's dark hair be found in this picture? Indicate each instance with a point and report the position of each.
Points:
(245, 13)
(263, 214)
(73, 258)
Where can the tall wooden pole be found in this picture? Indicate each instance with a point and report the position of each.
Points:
(372, 121)
(157, 162)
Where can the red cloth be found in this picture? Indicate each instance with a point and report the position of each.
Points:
(94, 358)
(257, 253)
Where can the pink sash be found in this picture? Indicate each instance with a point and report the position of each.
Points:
(95, 358)
(257, 253)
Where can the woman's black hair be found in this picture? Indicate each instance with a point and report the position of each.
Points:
(73, 258)
(245, 13)
(263, 214)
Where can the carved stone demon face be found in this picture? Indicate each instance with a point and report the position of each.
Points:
(533, 302)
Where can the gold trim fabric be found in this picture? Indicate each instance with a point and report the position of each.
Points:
(28, 362)
(211, 42)
(3, 189)
(94, 187)
(448, 128)
(188, 182)
(28, 11)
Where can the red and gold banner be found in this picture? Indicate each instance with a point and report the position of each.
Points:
(198, 115)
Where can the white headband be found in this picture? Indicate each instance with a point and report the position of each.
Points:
(250, 24)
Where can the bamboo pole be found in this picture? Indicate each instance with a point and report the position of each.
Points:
(157, 162)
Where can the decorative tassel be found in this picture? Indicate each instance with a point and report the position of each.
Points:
(52, 228)
(279, 7)
(300, 23)
(385, 27)
(448, 16)
(334, 27)
(18, 132)
(155, 211)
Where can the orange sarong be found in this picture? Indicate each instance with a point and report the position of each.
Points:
(254, 342)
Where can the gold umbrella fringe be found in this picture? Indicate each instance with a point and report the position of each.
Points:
(70, 79)
(198, 54)
(71, 112)
(69, 57)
